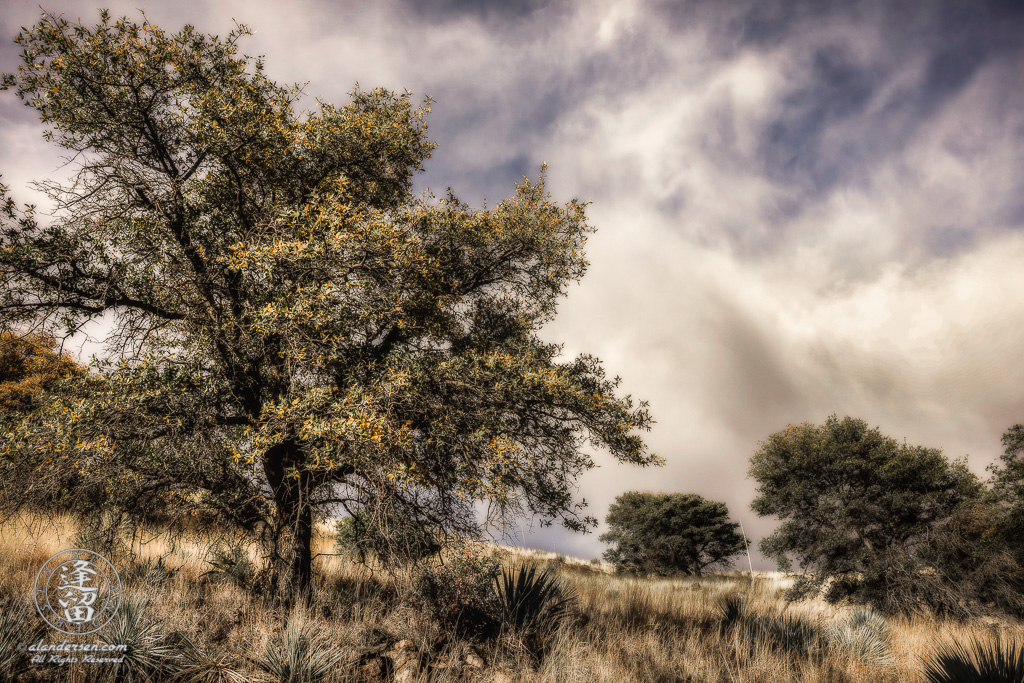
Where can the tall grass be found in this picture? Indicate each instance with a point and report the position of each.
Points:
(621, 629)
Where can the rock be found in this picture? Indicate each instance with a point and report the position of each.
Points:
(474, 660)
(405, 645)
(407, 673)
(501, 677)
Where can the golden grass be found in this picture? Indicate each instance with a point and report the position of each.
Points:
(627, 629)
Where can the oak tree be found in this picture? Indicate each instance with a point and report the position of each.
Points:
(294, 330)
(670, 533)
(847, 495)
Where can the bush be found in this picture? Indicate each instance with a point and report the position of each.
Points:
(391, 538)
(232, 564)
(459, 594)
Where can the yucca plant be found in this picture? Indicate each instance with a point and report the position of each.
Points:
(149, 654)
(199, 666)
(301, 655)
(530, 601)
(16, 627)
(151, 572)
(864, 634)
(976, 662)
(788, 632)
(731, 611)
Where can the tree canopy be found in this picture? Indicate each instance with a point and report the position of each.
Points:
(846, 494)
(294, 331)
(670, 533)
(30, 366)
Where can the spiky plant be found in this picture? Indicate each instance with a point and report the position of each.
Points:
(151, 572)
(731, 611)
(16, 627)
(200, 666)
(149, 655)
(864, 634)
(301, 655)
(976, 662)
(788, 632)
(530, 601)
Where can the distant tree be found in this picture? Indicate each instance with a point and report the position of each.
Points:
(294, 330)
(897, 526)
(1007, 480)
(847, 494)
(670, 533)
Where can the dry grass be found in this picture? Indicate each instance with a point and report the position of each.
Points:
(626, 629)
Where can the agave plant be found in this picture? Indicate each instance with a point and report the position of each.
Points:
(149, 654)
(531, 601)
(977, 662)
(300, 656)
(865, 634)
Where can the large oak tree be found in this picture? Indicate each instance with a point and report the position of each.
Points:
(293, 330)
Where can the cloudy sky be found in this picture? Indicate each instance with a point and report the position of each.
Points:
(802, 207)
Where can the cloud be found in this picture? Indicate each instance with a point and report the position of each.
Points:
(803, 208)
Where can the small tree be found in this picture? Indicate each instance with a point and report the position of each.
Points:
(671, 533)
(1007, 481)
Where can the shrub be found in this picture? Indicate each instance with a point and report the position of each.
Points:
(151, 572)
(530, 601)
(390, 538)
(15, 627)
(232, 564)
(977, 662)
(459, 594)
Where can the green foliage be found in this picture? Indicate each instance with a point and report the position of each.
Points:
(530, 601)
(459, 594)
(670, 534)
(291, 319)
(390, 537)
(976, 661)
(301, 655)
(1007, 480)
(846, 494)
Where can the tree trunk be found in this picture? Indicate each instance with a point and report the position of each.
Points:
(292, 537)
